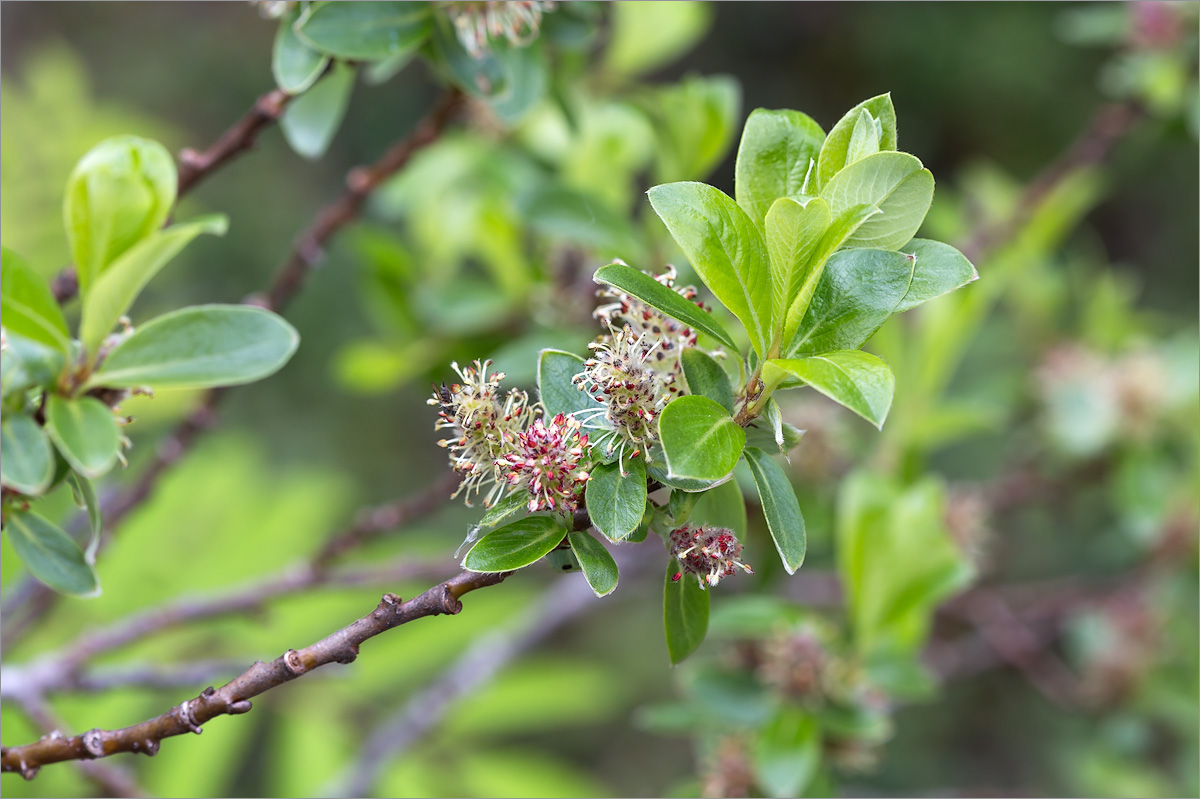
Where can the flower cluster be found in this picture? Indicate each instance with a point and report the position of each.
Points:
(710, 553)
(477, 21)
(484, 429)
(623, 309)
(546, 460)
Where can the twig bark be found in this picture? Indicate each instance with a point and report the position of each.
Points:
(234, 697)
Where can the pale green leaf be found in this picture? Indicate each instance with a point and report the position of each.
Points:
(787, 753)
(776, 158)
(85, 432)
(793, 233)
(895, 183)
(858, 380)
(310, 122)
(939, 269)
(29, 307)
(837, 144)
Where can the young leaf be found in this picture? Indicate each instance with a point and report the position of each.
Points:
(700, 439)
(26, 459)
(117, 288)
(198, 347)
(85, 432)
(793, 233)
(595, 562)
(897, 184)
(837, 143)
(857, 292)
(51, 555)
(770, 433)
(616, 503)
(28, 305)
(685, 613)
(695, 119)
(295, 65)
(725, 248)
(939, 269)
(555, 387)
(311, 120)
(774, 159)
(706, 378)
(27, 364)
(865, 139)
(638, 284)
(858, 380)
(787, 753)
(119, 193)
(85, 494)
(515, 545)
(780, 508)
(366, 31)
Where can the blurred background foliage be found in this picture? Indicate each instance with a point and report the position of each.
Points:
(1043, 440)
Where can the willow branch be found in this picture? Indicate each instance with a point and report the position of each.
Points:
(234, 697)
(195, 166)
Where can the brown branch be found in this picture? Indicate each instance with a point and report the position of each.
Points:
(195, 166)
(234, 697)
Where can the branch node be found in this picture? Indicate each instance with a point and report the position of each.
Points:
(239, 707)
(450, 604)
(191, 158)
(184, 714)
(359, 180)
(207, 692)
(27, 771)
(93, 742)
(149, 747)
(291, 660)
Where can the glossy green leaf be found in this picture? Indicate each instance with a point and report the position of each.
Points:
(27, 364)
(295, 65)
(858, 380)
(26, 459)
(85, 495)
(656, 472)
(865, 139)
(310, 122)
(706, 378)
(834, 152)
(85, 432)
(515, 545)
(51, 555)
(787, 752)
(119, 285)
(638, 284)
(857, 292)
(121, 191)
(615, 502)
(939, 270)
(366, 30)
(897, 184)
(700, 439)
(776, 158)
(556, 370)
(780, 508)
(198, 347)
(839, 231)
(726, 250)
(794, 233)
(597, 564)
(685, 613)
(28, 305)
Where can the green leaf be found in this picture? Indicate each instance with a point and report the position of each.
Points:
(638, 284)
(51, 555)
(561, 212)
(85, 494)
(366, 31)
(515, 545)
(26, 459)
(897, 184)
(726, 250)
(865, 139)
(119, 193)
(706, 378)
(295, 65)
(198, 347)
(770, 433)
(688, 484)
(120, 284)
(27, 364)
(648, 35)
(504, 508)
(787, 753)
(722, 506)
(834, 152)
(793, 233)
(858, 380)
(939, 270)
(685, 613)
(700, 439)
(310, 122)
(857, 292)
(615, 502)
(780, 508)
(695, 120)
(840, 229)
(85, 432)
(555, 387)
(28, 305)
(774, 159)
(596, 563)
